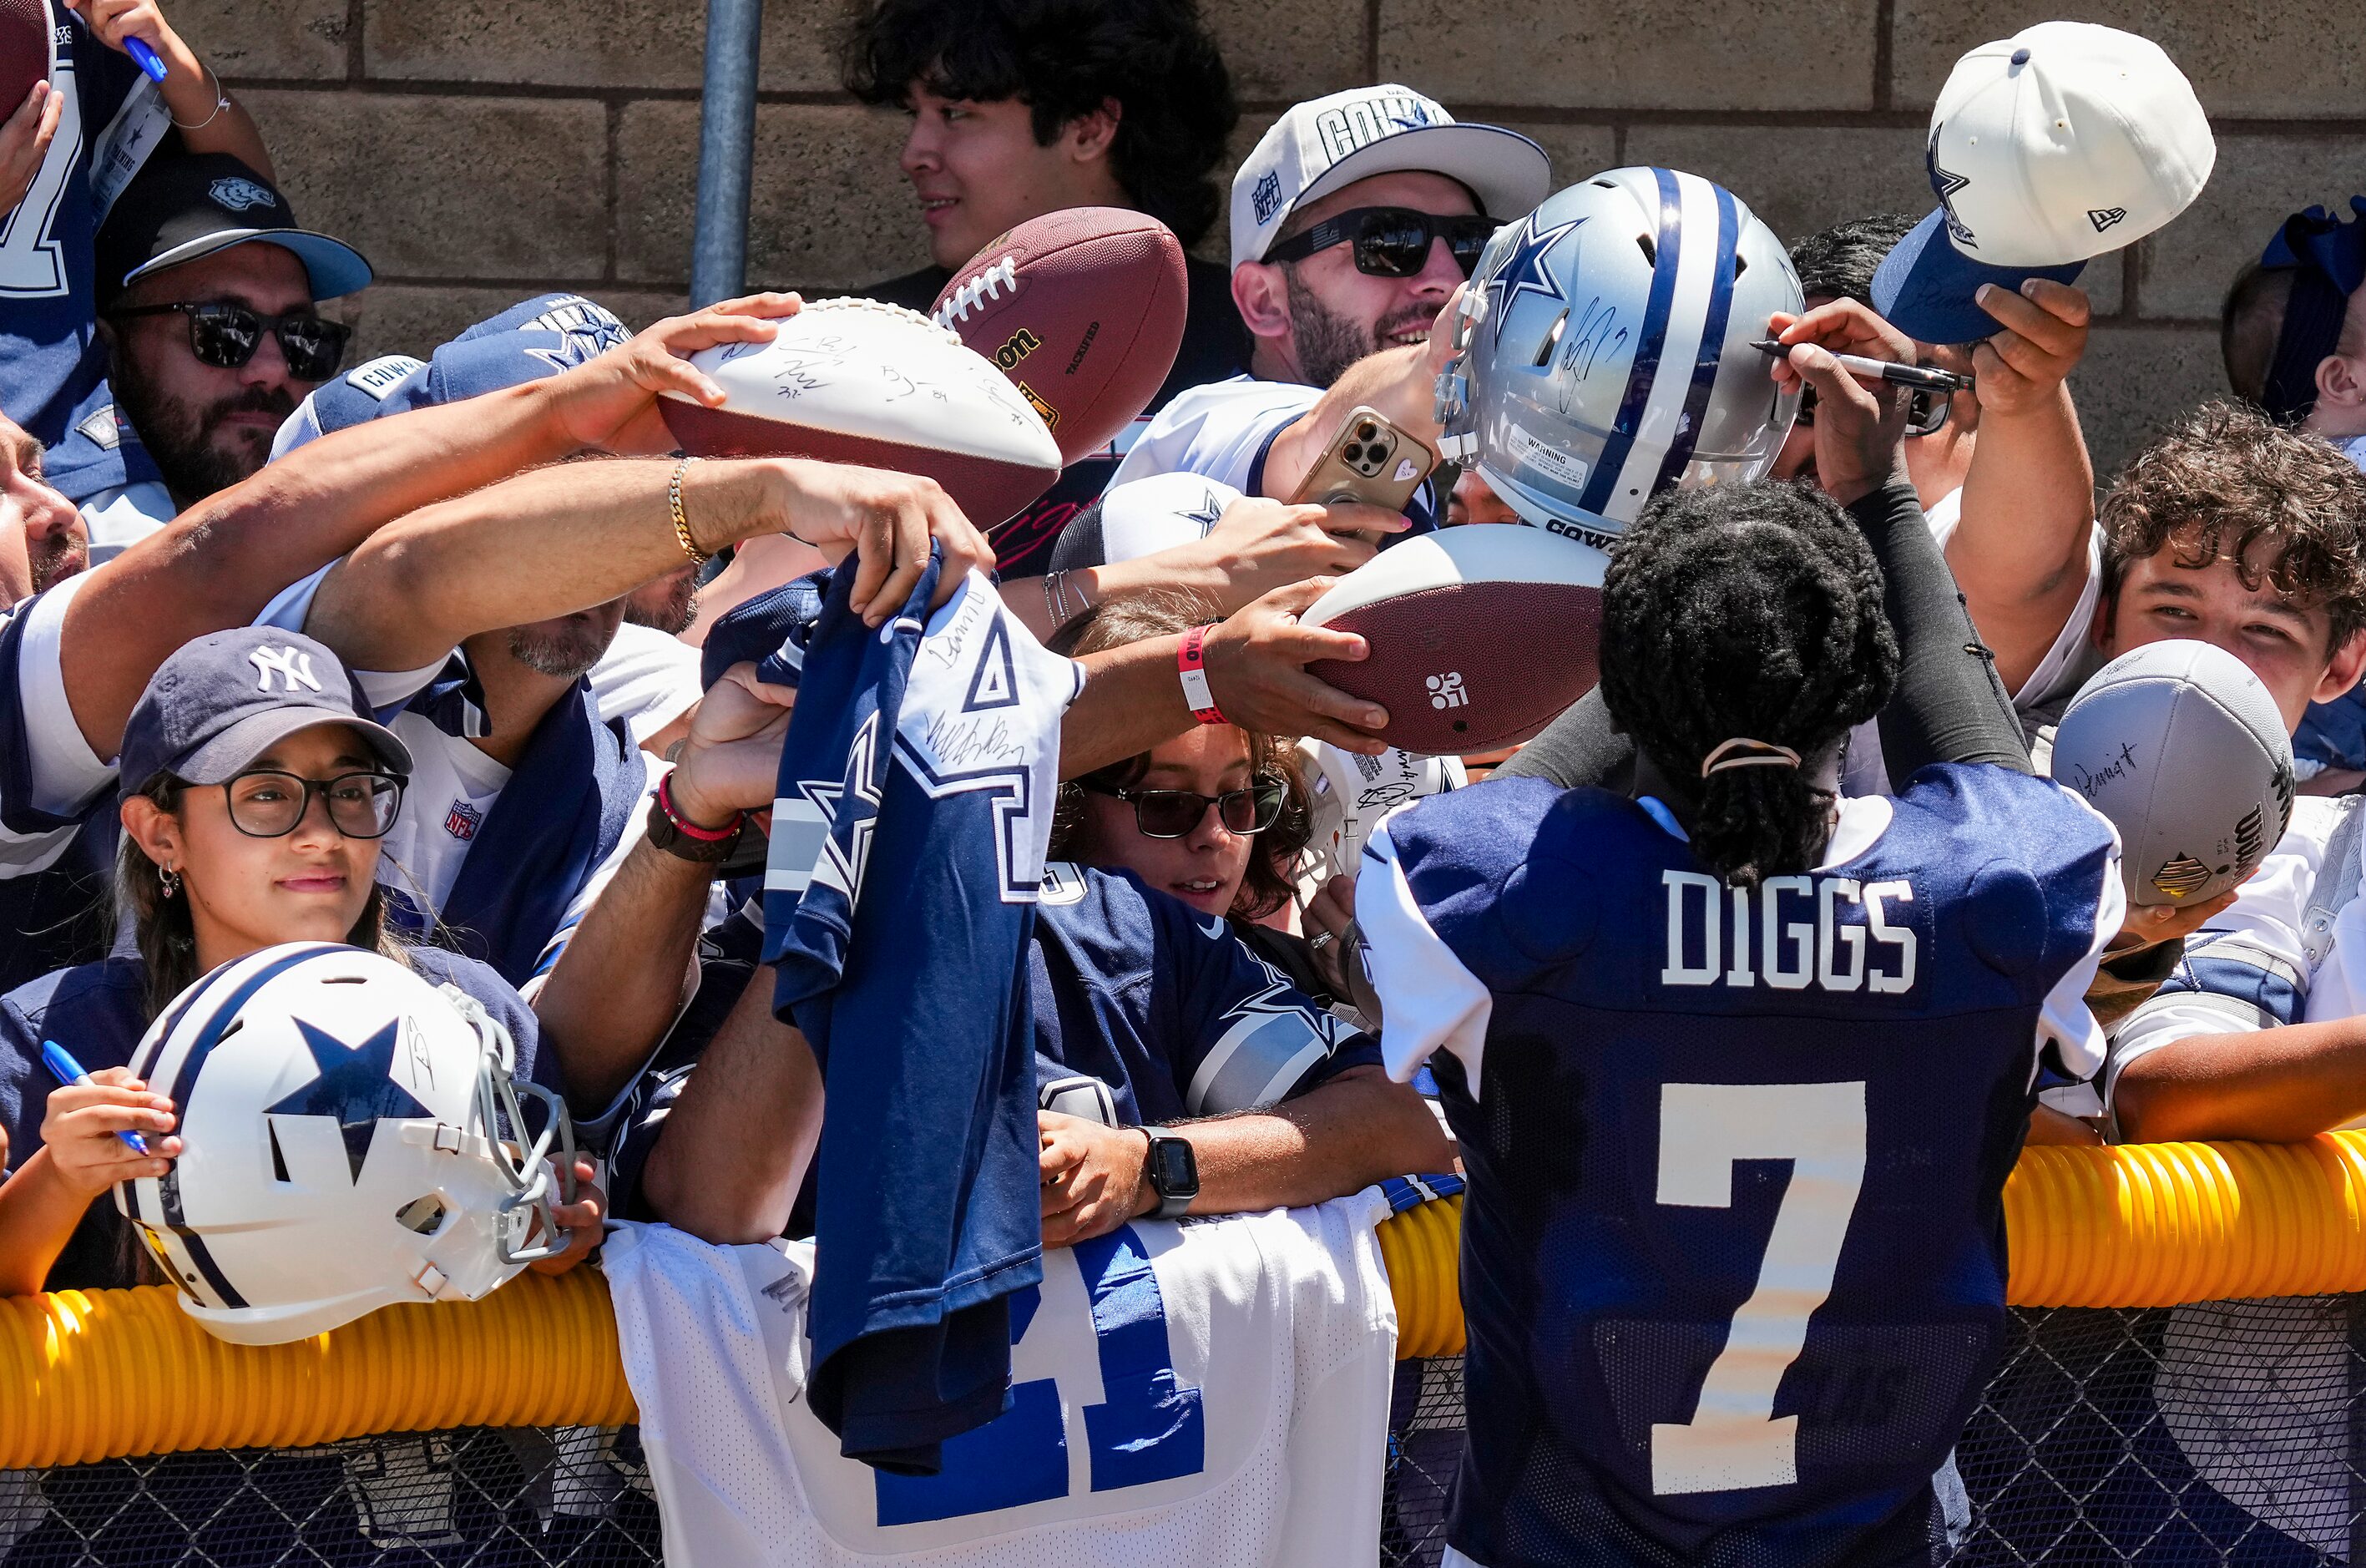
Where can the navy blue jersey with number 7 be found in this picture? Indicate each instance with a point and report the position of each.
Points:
(1733, 1255)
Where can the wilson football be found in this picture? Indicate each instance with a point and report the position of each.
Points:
(1083, 310)
(857, 381)
(1479, 636)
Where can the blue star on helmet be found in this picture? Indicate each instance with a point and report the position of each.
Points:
(1523, 271)
(354, 1088)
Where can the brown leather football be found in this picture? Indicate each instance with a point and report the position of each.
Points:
(1479, 636)
(1082, 309)
(25, 56)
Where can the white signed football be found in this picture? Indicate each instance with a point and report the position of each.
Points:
(857, 381)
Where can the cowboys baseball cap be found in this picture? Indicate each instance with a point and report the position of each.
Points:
(1143, 517)
(534, 338)
(180, 208)
(2047, 149)
(1324, 143)
(224, 699)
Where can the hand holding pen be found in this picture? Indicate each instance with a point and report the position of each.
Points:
(94, 1113)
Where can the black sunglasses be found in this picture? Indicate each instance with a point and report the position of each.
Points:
(1392, 242)
(1174, 813)
(225, 335)
(269, 804)
(1926, 412)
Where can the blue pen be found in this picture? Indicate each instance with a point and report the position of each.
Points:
(67, 1070)
(144, 58)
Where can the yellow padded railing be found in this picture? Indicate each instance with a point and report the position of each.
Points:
(96, 1375)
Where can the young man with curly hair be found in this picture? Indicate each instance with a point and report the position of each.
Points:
(2234, 530)
(1020, 108)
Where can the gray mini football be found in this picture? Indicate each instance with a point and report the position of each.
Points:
(2181, 747)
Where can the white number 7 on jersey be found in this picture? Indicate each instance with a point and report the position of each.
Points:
(1734, 1440)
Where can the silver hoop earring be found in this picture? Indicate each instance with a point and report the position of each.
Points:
(169, 880)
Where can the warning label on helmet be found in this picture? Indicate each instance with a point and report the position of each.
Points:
(1527, 451)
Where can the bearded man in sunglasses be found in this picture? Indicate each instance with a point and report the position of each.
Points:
(1354, 221)
(207, 299)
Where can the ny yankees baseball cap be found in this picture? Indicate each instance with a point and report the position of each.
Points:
(1324, 143)
(180, 208)
(2049, 148)
(534, 338)
(224, 699)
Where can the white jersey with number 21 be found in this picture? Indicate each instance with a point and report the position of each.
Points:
(1212, 1392)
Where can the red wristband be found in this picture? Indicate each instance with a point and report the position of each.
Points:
(1191, 662)
(684, 826)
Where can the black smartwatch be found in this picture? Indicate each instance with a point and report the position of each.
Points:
(1172, 1170)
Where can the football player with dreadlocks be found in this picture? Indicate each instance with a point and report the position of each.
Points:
(1738, 1066)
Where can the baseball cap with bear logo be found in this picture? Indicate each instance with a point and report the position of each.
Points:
(178, 208)
(1324, 143)
(2047, 149)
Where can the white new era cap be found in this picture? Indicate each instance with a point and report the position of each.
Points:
(2057, 144)
(1325, 143)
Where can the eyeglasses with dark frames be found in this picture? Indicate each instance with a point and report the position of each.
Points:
(1175, 813)
(1392, 242)
(226, 334)
(1926, 413)
(267, 803)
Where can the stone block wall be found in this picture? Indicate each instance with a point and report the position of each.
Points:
(479, 150)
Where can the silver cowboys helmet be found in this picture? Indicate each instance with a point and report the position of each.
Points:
(1603, 351)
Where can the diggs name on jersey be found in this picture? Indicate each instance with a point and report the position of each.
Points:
(1833, 933)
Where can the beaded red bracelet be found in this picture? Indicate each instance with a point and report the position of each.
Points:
(688, 829)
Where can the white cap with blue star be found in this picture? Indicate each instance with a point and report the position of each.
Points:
(1321, 145)
(2060, 143)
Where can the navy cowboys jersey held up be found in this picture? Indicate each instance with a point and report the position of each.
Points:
(907, 847)
(1733, 1257)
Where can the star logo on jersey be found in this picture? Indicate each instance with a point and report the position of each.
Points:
(1947, 184)
(354, 1088)
(1523, 271)
(1209, 512)
(842, 866)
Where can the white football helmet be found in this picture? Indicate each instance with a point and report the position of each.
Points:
(1605, 351)
(351, 1138)
(1348, 792)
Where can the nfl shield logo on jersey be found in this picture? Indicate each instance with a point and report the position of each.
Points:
(463, 820)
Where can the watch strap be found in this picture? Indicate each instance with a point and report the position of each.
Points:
(1170, 1206)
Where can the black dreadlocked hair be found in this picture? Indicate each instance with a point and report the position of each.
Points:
(1746, 610)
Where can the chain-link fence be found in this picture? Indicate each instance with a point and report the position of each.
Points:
(2230, 1433)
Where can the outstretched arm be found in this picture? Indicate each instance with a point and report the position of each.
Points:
(565, 538)
(620, 985)
(221, 561)
(1357, 1129)
(735, 1146)
(2021, 551)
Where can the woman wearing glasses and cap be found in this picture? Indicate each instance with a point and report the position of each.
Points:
(1158, 1000)
(257, 789)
